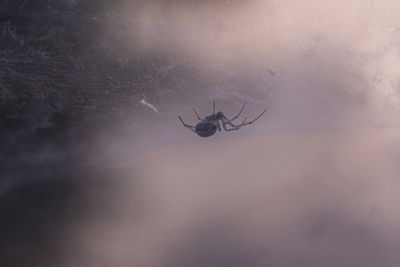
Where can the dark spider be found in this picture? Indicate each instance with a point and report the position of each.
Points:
(210, 124)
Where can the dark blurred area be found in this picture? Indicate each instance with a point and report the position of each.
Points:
(54, 76)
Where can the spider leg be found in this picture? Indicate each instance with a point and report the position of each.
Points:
(190, 127)
(224, 126)
(231, 129)
(262, 113)
(240, 112)
(197, 115)
(225, 122)
(246, 123)
(218, 126)
(230, 123)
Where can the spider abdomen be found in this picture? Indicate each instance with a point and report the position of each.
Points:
(206, 128)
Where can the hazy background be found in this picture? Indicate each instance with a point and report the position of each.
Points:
(94, 176)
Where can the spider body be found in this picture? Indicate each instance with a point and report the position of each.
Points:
(215, 116)
(206, 128)
(209, 125)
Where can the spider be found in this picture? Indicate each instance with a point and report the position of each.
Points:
(209, 125)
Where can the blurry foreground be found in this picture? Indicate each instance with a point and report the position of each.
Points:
(299, 198)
